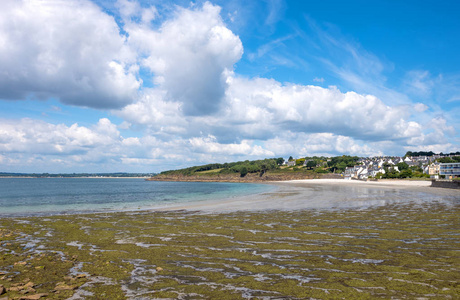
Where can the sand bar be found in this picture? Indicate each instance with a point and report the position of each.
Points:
(328, 194)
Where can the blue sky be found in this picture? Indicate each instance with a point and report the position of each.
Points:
(145, 86)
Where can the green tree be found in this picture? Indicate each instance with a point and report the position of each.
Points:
(416, 169)
(407, 173)
(243, 171)
(391, 174)
(311, 164)
(299, 162)
(338, 162)
(402, 166)
(445, 160)
(341, 166)
(321, 170)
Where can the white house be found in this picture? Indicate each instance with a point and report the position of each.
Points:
(374, 171)
(362, 173)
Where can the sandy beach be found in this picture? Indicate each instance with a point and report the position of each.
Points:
(326, 194)
(385, 182)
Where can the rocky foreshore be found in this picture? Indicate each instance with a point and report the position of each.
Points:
(249, 178)
(396, 251)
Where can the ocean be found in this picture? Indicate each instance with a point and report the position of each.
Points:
(47, 196)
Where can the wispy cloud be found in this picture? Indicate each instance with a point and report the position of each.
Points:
(268, 47)
(419, 83)
(356, 68)
(276, 10)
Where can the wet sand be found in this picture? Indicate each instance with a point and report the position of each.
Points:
(328, 194)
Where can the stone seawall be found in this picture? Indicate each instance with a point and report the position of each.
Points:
(445, 184)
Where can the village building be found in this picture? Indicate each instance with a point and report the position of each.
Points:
(450, 170)
(290, 163)
(432, 170)
(371, 167)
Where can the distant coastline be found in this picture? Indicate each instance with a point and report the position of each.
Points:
(76, 175)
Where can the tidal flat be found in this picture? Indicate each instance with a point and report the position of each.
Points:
(398, 251)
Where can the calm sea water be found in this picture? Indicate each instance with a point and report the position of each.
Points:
(31, 196)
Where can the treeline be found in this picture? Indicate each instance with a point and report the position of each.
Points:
(321, 164)
(340, 163)
(452, 157)
(242, 167)
(419, 153)
(429, 153)
(447, 159)
(308, 164)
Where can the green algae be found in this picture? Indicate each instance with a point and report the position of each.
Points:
(395, 251)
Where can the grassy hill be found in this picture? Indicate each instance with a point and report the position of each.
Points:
(271, 169)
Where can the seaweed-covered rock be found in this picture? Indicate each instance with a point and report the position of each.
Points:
(33, 297)
(61, 286)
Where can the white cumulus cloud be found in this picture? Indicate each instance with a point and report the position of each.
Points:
(266, 103)
(189, 56)
(66, 49)
(33, 136)
(209, 144)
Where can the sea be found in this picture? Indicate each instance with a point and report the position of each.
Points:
(49, 196)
